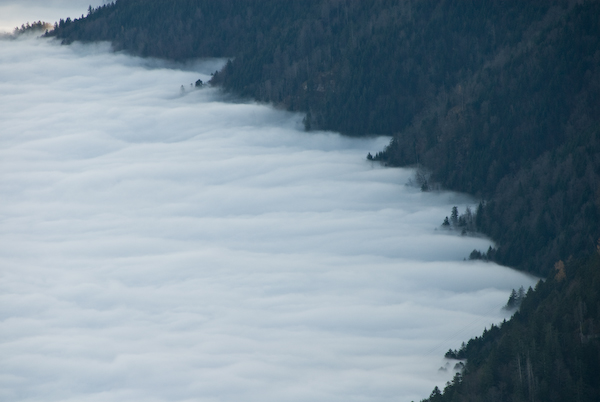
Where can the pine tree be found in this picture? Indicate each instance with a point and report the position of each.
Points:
(454, 216)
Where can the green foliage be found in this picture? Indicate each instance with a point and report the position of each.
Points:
(36, 27)
(498, 99)
(515, 299)
(548, 351)
(523, 132)
(465, 222)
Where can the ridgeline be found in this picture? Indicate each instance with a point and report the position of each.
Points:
(500, 100)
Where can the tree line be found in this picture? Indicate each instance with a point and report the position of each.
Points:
(548, 351)
(497, 99)
(500, 99)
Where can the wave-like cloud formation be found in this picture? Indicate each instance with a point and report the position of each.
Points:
(159, 245)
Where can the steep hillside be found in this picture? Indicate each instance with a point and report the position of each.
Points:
(500, 100)
(548, 351)
(523, 132)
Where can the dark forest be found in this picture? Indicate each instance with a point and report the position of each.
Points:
(500, 100)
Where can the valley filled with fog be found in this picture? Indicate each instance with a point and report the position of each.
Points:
(169, 244)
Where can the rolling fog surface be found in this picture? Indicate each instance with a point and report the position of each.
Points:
(160, 245)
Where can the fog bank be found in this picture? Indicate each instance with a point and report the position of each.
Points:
(167, 245)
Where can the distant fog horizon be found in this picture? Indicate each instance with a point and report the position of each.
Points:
(160, 243)
(13, 13)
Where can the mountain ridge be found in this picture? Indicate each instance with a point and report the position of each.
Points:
(480, 95)
(500, 100)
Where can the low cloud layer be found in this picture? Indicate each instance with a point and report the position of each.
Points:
(160, 245)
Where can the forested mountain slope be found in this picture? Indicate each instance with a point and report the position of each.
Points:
(498, 99)
(548, 351)
(501, 99)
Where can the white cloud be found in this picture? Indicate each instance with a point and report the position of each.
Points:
(165, 247)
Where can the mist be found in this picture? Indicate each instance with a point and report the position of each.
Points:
(160, 244)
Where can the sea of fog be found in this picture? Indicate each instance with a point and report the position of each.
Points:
(160, 244)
